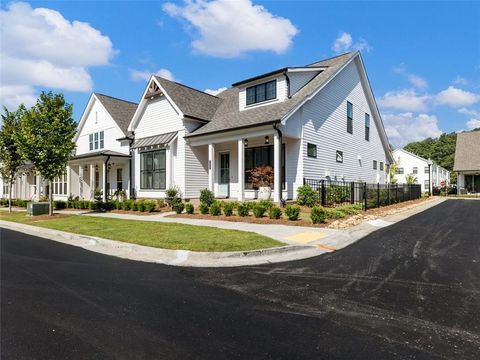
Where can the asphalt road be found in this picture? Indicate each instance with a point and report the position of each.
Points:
(408, 291)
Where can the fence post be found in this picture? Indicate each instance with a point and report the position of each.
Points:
(304, 181)
(352, 193)
(378, 195)
(365, 195)
(323, 192)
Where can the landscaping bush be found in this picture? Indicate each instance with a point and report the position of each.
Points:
(337, 194)
(172, 196)
(178, 207)
(292, 212)
(350, 209)
(160, 203)
(141, 205)
(149, 205)
(127, 205)
(204, 209)
(215, 209)
(275, 212)
(189, 209)
(118, 205)
(318, 215)
(267, 204)
(207, 197)
(109, 205)
(306, 196)
(243, 209)
(228, 208)
(59, 204)
(259, 210)
(93, 205)
(250, 204)
(335, 214)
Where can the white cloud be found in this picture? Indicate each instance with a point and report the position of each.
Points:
(13, 95)
(473, 124)
(215, 91)
(344, 43)
(404, 100)
(455, 97)
(137, 75)
(231, 28)
(460, 80)
(417, 81)
(40, 48)
(406, 127)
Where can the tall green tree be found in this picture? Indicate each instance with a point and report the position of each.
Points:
(46, 137)
(11, 158)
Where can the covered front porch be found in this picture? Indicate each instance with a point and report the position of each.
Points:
(468, 182)
(101, 174)
(232, 157)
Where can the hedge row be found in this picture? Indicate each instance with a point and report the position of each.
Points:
(321, 214)
(129, 205)
(15, 202)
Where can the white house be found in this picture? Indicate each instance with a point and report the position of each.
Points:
(318, 121)
(411, 164)
(467, 162)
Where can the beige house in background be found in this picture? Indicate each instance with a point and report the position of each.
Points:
(467, 162)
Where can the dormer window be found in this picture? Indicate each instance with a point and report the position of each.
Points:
(262, 92)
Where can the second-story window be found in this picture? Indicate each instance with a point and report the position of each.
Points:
(415, 170)
(374, 164)
(367, 127)
(262, 92)
(349, 117)
(96, 141)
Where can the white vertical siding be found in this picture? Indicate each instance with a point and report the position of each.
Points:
(325, 125)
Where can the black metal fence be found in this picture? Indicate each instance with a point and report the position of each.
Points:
(338, 193)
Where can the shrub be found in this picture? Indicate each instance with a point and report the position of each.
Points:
(59, 204)
(318, 215)
(250, 204)
(261, 176)
(243, 209)
(172, 196)
(275, 212)
(306, 196)
(228, 208)
(337, 194)
(335, 214)
(149, 205)
(215, 209)
(204, 208)
(160, 203)
(350, 209)
(259, 210)
(141, 205)
(292, 212)
(178, 207)
(93, 205)
(267, 204)
(118, 204)
(207, 197)
(189, 209)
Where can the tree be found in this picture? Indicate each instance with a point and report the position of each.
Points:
(46, 137)
(392, 172)
(411, 179)
(10, 156)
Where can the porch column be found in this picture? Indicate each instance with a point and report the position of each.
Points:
(277, 168)
(37, 187)
(68, 182)
(80, 181)
(168, 166)
(104, 192)
(211, 166)
(241, 170)
(92, 180)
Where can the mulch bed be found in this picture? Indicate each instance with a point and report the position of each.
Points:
(129, 212)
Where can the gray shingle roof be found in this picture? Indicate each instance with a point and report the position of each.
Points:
(121, 110)
(467, 152)
(193, 103)
(228, 116)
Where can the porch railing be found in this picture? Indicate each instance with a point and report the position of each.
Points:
(338, 193)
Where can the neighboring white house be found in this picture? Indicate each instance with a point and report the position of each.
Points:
(411, 164)
(318, 121)
(467, 162)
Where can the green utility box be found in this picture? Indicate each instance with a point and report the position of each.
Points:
(37, 208)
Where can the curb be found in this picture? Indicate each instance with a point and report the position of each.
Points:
(170, 257)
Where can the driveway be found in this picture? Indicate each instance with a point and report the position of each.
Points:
(407, 291)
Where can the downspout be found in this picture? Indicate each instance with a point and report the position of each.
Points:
(105, 178)
(130, 166)
(280, 136)
(288, 84)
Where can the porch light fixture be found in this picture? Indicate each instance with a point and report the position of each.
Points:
(267, 140)
(85, 168)
(96, 167)
(245, 142)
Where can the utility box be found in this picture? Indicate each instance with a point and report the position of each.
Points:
(37, 208)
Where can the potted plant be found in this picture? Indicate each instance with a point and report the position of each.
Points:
(261, 178)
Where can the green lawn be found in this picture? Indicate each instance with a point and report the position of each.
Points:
(148, 233)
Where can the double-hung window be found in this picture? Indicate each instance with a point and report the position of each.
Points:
(349, 117)
(90, 142)
(415, 170)
(381, 166)
(374, 164)
(262, 92)
(119, 179)
(426, 170)
(60, 185)
(311, 150)
(153, 170)
(95, 135)
(367, 127)
(96, 141)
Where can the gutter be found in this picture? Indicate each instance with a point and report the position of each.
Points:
(132, 139)
(105, 178)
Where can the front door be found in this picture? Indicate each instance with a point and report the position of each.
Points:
(224, 183)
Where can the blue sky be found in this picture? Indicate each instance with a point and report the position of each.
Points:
(423, 58)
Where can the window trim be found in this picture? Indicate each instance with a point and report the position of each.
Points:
(313, 147)
(381, 166)
(255, 93)
(337, 153)
(153, 169)
(349, 117)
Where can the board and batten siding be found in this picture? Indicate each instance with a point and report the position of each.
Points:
(98, 119)
(282, 92)
(299, 79)
(324, 120)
